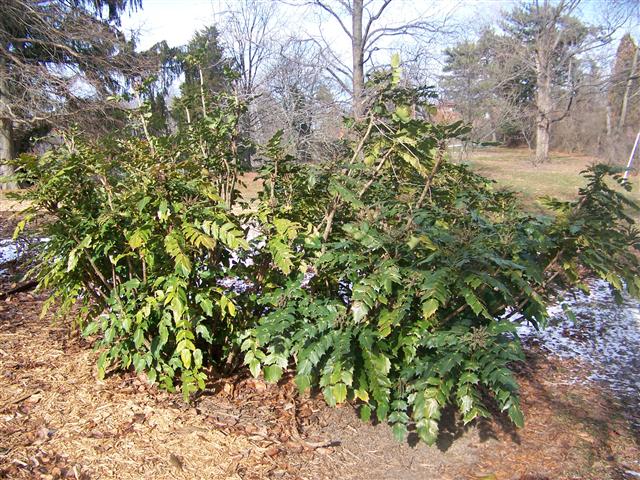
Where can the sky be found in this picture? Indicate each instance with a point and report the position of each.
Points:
(176, 20)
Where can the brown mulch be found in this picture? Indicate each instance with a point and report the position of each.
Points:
(58, 421)
(8, 223)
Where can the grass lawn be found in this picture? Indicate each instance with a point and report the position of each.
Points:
(559, 177)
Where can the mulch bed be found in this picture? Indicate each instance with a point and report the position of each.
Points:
(58, 421)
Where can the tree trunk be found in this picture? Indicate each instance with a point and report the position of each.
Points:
(542, 140)
(627, 89)
(357, 51)
(7, 151)
(543, 105)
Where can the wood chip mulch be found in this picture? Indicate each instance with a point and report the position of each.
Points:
(58, 421)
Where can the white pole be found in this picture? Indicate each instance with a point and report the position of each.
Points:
(633, 152)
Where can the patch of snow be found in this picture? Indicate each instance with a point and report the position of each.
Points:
(605, 335)
(235, 284)
(8, 250)
(11, 250)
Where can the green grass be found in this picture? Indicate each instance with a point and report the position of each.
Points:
(559, 177)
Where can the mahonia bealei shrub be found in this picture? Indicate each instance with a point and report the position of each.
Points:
(417, 267)
(142, 238)
(388, 276)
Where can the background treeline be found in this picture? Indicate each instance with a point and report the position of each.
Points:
(546, 74)
(541, 76)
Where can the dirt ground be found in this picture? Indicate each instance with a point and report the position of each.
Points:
(58, 421)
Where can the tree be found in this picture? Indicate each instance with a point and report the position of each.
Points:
(362, 21)
(203, 63)
(550, 40)
(58, 59)
(489, 87)
(301, 104)
(625, 84)
(247, 32)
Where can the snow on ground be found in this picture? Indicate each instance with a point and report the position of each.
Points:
(11, 250)
(605, 335)
(8, 250)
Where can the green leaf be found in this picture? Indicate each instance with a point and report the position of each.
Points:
(339, 392)
(515, 414)
(197, 358)
(163, 211)
(427, 431)
(399, 431)
(138, 337)
(365, 413)
(90, 329)
(139, 363)
(415, 162)
(254, 367)
(347, 195)
(72, 261)
(395, 60)
(328, 396)
(183, 265)
(429, 308)
(204, 332)
(403, 113)
(359, 311)
(185, 356)
(272, 373)
(303, 382)
(102, 364)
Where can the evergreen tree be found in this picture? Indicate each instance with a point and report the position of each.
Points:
(58, 59)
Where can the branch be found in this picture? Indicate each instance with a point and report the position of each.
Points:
(372, 19)
(336, 200)
(327, 9)
(23, 287)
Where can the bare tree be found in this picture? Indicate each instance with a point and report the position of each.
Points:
(364, 24)
(549, 38)
(302, 106)
(248, 29)
(624, 79)
(247, 33)
(58, 59)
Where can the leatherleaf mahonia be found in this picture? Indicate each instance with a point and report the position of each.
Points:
(408, 269)
(142, 239)
(389, 276)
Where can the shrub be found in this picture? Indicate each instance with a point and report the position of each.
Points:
(388, 277)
